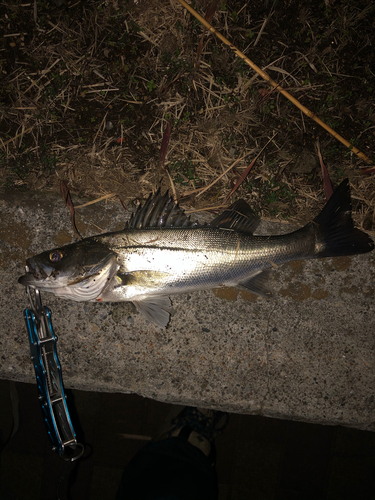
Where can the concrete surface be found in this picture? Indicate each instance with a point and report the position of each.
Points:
(307, 354)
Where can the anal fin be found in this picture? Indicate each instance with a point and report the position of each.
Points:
(155, 309)
(259, 284)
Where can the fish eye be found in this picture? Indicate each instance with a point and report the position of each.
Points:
(56, 256)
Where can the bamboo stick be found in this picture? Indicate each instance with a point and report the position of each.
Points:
(275, 85)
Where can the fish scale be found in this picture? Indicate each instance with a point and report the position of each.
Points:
(201, 258)
(146, 264)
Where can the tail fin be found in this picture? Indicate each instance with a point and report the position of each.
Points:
(335, 231)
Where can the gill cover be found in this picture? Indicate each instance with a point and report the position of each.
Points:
(79, 271)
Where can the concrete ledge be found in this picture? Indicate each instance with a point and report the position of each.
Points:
(308, 354)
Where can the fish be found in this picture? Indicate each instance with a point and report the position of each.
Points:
(162, 252)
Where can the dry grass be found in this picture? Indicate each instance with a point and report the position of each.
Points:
(87, 91)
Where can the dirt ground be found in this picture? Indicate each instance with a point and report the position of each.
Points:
(87, 89)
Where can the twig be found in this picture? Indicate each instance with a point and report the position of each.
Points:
(96, 201)
(18, 135)
(360, 197)
(262, 28)
(172, 186)
(97, 133)
(222, 175)
(206, 209)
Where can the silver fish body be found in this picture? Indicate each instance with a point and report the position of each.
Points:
(162, 253)
(179, 260)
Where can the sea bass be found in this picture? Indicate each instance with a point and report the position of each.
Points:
(162, 252)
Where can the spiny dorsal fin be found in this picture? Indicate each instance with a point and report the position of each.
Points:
(238, 216)
(160, 211)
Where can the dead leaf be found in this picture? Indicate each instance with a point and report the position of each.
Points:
(326, 180)
(199, 49)
(69, 203)
(211, 9)
(370, 170)
(123, 205)
(209, 15)
(164, 145)
(241, 179)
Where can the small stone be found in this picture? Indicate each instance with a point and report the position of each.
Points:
(306, 163)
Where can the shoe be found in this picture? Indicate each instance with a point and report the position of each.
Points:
(199, 427)
(207, 423)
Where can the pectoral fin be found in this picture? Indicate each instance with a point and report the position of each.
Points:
(141, 278)
(259, 283)
(155, 309)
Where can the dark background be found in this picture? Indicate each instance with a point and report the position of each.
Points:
(258, 458)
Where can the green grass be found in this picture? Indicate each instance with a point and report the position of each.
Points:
(183, 172)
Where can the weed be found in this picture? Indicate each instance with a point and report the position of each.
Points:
(271, 191)
(234, 16)
(183, 173)
(269, 106)
(151, 86)
(48, 161)
(174, 65)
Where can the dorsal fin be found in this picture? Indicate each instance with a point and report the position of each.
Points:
(238, 216)
(160, 211)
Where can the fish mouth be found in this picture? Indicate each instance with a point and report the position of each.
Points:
(34, 273)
